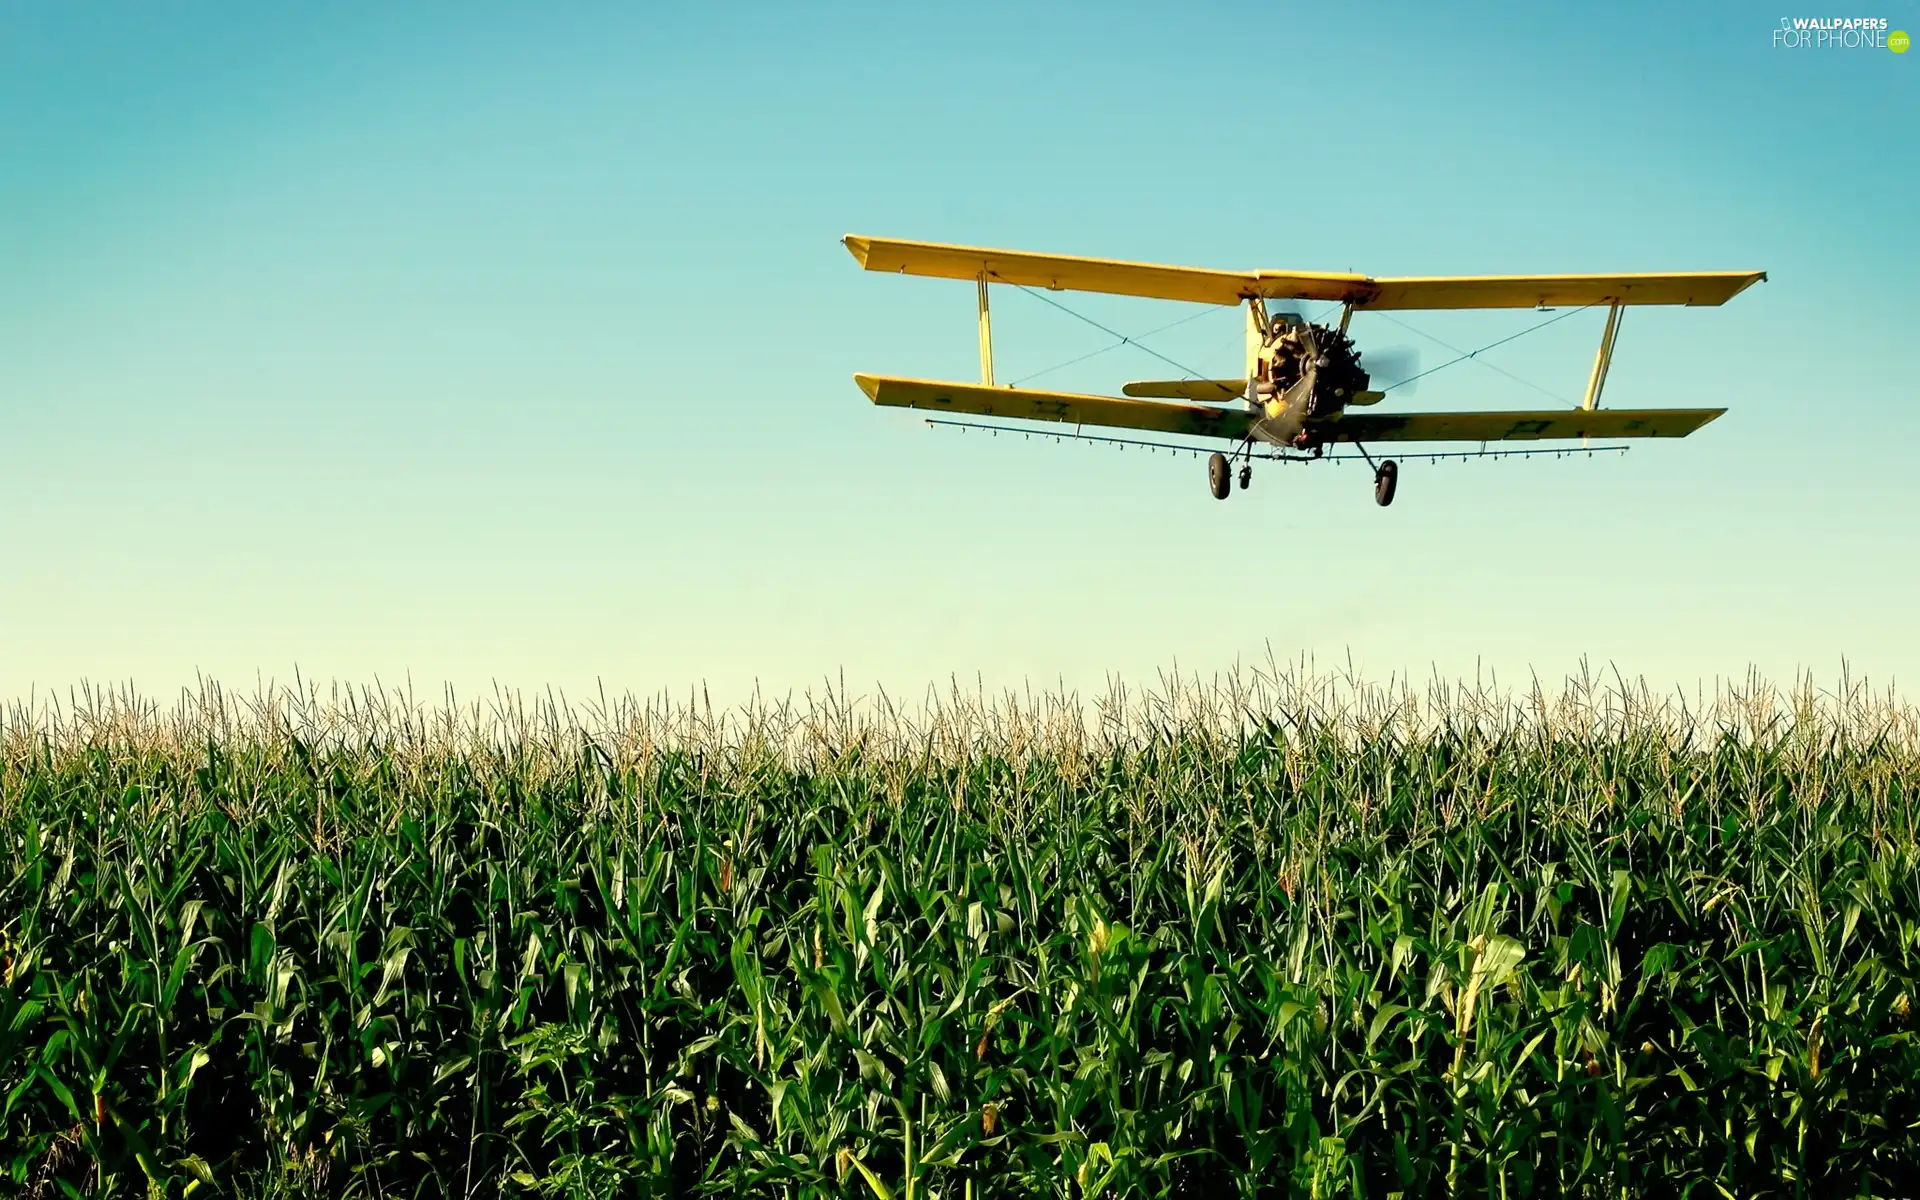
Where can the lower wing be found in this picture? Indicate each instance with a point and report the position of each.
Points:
(1513, 426)
(1197, 420)
(1069, 407)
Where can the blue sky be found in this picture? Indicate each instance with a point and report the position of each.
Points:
(508, 343)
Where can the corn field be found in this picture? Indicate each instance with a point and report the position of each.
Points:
(1282, 935)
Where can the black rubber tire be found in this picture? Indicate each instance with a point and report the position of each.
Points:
(1384, 481)
(1246, 477)
(1219, 476)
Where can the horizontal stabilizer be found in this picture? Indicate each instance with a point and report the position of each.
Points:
(1188, 389)
(1514, 426)
(1071, 408)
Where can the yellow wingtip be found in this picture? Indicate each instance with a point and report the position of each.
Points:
(870, 384)
(859, 247)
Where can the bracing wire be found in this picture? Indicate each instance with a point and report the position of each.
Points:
(1475, 354)
(1124, 340)
(1133, 341)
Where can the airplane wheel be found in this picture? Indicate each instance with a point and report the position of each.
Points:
(1246, 476)
(1219, 476)
(1384, 480)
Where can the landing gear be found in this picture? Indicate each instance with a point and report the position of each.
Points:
(1386, 474)
(1220, 472)
(1219, 476)
(1384, 478)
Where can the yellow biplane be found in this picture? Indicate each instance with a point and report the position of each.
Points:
(1301, 378)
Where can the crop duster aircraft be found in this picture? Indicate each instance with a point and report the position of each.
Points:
(1301, 379)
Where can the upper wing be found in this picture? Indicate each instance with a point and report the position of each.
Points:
(1066, 272)
(1069, 407)
(1514, 426)
(1558, 291)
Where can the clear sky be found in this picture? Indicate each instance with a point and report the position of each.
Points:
(513, 343)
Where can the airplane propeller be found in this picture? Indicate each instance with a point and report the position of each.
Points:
(1388, 366)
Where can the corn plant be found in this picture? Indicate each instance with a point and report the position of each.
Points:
(1289, 935)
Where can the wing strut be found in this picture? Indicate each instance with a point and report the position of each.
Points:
(986, 333)
(1603, 361)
